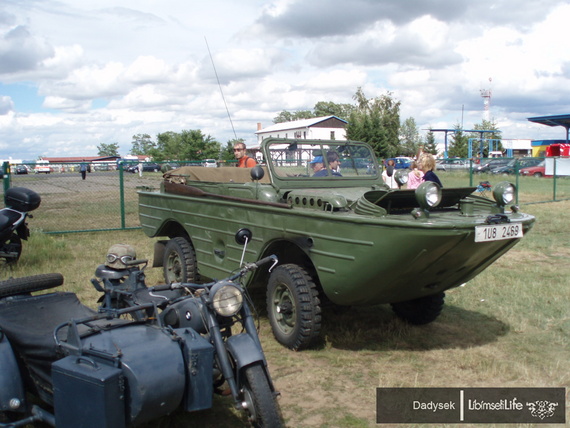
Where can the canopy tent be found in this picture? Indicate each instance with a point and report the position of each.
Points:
(556, 120)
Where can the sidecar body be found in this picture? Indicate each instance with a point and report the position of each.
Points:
(106, 372)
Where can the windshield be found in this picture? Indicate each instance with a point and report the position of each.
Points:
(325, 160)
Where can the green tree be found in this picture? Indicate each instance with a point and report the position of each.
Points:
(287, 116)
(483, 146)
(142, 145)
(328, 108)
(186, 145)
(458, 145)
(377, 122)
(108, 149)
(410, 140)
(430, 145)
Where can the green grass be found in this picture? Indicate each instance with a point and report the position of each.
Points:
(508, 327)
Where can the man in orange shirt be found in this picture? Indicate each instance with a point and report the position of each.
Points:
(244, 161)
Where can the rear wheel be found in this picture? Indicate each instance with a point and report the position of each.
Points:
(420, 311)
(293, 307)
(259, 401)
(28, 284)
(179, 261)
(537, 174)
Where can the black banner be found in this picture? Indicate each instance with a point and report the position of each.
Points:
(471, 405)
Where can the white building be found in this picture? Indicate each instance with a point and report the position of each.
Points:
(316, 128)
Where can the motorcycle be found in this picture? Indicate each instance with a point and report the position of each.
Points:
(13, 227)
(146, 352)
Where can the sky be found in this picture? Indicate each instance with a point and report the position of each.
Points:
(78, 74)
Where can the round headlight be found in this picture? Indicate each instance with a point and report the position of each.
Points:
(428, 195)
(504, 193)
(227, 299)
(401, 176)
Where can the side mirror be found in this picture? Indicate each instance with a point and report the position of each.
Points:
(257, 172)
(243, 236)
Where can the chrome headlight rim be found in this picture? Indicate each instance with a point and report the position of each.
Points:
(428, 195)
(504, 193)
(226, 298)
(401, 176)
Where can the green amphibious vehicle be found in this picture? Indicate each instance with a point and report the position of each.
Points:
(341, 236)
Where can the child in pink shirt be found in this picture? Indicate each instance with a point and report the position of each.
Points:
(415, 176)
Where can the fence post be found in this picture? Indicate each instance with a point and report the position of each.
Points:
(122, 195)
(554, 180)
(7, 175)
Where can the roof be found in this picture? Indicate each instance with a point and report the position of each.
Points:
(80, 158)
(297, 124)
(556, 120)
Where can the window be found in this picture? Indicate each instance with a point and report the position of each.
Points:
(332, 135)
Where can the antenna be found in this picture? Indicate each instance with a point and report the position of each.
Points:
(220, 86)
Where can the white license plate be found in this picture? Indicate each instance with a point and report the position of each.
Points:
(498, 232)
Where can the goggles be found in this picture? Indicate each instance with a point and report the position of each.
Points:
(111, 258)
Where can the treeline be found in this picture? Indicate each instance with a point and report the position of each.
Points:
(375, 121)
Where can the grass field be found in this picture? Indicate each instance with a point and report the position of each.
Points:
(509, 327)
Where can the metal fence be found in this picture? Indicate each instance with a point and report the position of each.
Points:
(107, 199)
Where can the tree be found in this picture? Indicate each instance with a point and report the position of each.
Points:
(458, 144)
(482, 146)
(430, 145)
(142, 145)
(377, 122)
(410, 140)
(186, 145)
(287, 116)
(328, 108)
(108, 149)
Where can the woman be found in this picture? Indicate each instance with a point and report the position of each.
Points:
(427, 165)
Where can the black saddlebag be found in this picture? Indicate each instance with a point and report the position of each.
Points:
(88, 392)
(22, 199)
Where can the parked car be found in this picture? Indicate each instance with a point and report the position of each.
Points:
(338, 238)
(514, 164)
(488, 164)
(452, 164)
(534, 171)
(400, 162)
(21, 169)
(42, 168)
(147, 167)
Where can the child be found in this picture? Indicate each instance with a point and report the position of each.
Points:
(415, 176)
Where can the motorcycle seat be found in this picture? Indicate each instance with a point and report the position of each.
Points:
(7, 218)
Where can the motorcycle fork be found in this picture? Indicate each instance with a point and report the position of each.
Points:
(222, 355)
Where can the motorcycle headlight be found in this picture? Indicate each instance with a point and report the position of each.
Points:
(428, 195)
(227, 299)
(504, 193)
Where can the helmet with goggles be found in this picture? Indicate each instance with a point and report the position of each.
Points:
(119, 255)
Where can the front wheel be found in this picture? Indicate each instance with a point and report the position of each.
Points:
(293, 307)
(258, 399)
(420, 311)
(13, 245)
(179, 261)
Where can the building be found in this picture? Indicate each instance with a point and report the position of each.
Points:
(316, 128)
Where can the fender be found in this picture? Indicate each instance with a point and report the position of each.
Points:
(12, 393)
(244, 350)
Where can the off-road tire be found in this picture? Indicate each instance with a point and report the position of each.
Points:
(262, 408)
(293, 307)
(420, 311)
(179, 262)
(28, 284)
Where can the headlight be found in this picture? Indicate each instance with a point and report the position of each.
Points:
(504, 193)
(428, 195)
(401, 176)
(227, 299)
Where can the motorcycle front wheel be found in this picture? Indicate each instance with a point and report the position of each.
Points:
(259, 400)
(13, 245)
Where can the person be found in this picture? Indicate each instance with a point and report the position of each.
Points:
(388, 175)
(427, 165)
(83, 169)
(244, 161)
(415, 176)
(318, 165)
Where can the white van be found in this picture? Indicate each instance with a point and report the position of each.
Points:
(42, 166)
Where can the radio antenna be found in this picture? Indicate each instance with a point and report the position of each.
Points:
(220, 86)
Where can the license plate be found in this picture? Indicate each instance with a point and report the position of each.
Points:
(498, 232)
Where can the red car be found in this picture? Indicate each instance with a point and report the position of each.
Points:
(534, 171)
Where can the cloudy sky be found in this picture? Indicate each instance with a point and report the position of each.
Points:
(75, 74)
